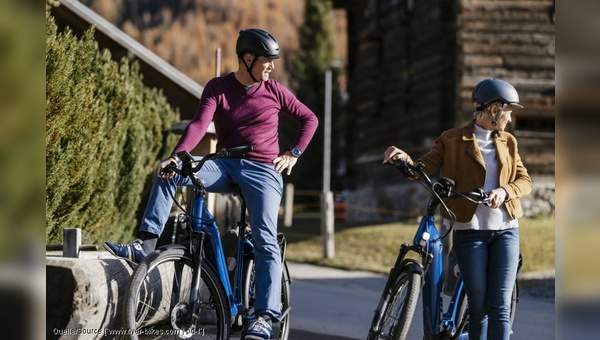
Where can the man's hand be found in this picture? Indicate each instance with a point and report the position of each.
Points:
(163, 165)
(285, 161)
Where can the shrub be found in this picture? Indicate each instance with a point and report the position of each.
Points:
(105, 131)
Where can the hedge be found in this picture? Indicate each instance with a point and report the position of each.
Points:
(105, 132)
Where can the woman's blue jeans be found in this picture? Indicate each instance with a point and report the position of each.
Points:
(262, 189)
(487, 260)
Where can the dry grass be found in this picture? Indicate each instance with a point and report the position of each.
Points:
(375, 247)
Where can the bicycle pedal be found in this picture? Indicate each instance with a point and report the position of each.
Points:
(237, 323)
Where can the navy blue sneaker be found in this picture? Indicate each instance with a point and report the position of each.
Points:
(259, 329)
(131, 252)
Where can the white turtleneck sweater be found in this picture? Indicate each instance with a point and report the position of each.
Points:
(487, 218)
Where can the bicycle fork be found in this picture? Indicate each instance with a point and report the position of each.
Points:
(399, 266)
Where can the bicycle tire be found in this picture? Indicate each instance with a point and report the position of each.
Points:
(249, 295)
(399, 307)
(462, 315)
(161, 283)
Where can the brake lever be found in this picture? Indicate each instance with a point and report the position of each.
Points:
(485, 199)
(171, 167)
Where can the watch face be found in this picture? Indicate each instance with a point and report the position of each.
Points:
(295, 152)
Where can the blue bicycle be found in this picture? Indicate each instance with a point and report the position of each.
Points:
(190, 287)
(412, 275)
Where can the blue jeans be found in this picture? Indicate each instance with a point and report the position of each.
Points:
(262, 188)
(488, 261)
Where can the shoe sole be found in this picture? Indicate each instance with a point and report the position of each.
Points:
(252, 337)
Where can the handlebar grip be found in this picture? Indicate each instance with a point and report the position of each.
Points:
(404, 167)
(483, 197)
(171, 167)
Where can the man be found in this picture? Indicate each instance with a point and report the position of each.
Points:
(244, 106)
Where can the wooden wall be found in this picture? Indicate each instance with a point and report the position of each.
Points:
(413, 64)
(518, 39)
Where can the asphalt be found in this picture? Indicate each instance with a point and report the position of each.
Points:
(539, 284)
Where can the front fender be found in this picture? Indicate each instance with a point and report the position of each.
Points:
(413, 265)
(173, 246)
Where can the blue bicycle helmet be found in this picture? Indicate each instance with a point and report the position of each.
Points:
(491, 90)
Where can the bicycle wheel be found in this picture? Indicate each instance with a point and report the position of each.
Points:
(249, 295)
(398, 308)
(462, 315)
(157, 298)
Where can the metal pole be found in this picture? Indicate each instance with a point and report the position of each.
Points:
(327, 217)
(211, 197)
(327, 137)
(218, 62)
(289, 205)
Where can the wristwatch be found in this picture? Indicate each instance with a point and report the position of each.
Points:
(295, 152)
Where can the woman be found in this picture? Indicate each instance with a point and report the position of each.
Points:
(486, 238)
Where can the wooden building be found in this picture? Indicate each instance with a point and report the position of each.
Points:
(413, 63)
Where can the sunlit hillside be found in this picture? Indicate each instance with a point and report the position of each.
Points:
(188, 33)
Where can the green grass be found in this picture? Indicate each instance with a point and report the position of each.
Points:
(375, 247)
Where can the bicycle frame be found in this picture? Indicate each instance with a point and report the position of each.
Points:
(432, 277)
(205, 224)
(430, 249)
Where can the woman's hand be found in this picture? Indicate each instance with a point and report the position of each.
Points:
(392, 154)
(497, 197)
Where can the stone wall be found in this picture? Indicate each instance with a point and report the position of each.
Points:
(408, 200)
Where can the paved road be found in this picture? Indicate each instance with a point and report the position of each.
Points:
(333, 304)
(338, 305)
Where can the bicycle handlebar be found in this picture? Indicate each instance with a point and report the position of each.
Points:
(187, 160)
(443, 187)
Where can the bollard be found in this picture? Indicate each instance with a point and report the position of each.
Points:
(71, 242)
(288, 210)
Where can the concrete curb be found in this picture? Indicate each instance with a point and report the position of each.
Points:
(82, 295)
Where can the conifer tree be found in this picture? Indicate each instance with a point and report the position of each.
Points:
(317, 51)
(105, 131)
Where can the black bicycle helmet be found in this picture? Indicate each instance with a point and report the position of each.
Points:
(491, 90)
(257, 42)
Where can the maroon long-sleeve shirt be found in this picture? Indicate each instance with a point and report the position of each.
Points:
(248, 116)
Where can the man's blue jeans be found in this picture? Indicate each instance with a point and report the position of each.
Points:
(487, 260)
(262, 189)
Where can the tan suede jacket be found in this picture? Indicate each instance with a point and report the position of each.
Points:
(457, 154)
